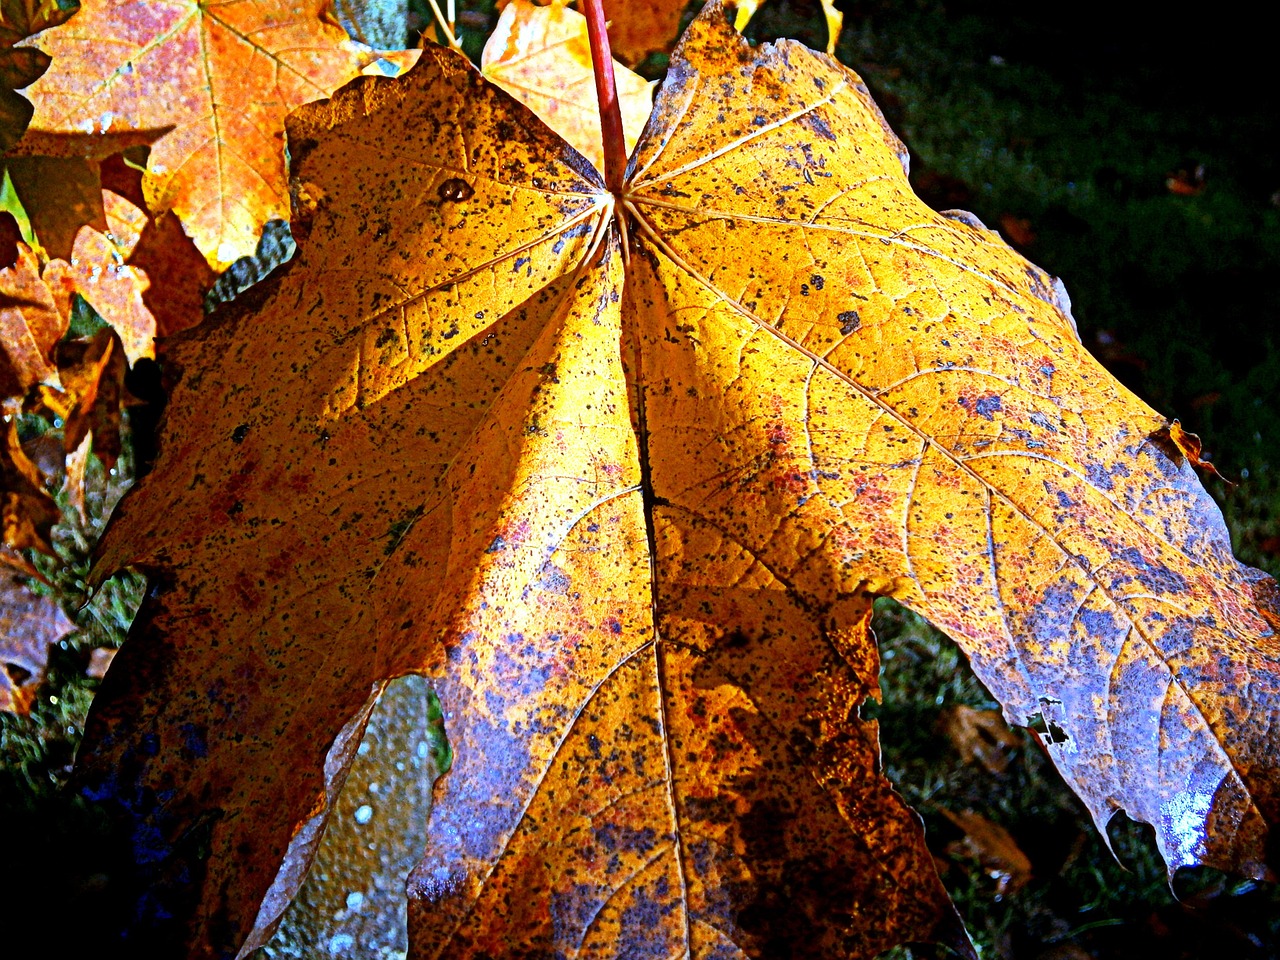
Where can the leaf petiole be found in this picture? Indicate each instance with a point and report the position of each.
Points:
(615, 150)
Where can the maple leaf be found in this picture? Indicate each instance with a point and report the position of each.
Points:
(540, 55)
(623, 474)
(637, 30)
(161, 249)
(208, 86)
(30, 325)
(79, 382)
(97, 272)
(59, 195)
(27, 512)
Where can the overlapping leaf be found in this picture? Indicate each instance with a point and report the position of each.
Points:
(637, 30)
(27, 512)
(628, 493)
(208, 85)
(30, 325)
(540, 55)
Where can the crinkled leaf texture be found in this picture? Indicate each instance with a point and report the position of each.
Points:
(623, 475)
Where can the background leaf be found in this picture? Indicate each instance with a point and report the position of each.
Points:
(207, 87)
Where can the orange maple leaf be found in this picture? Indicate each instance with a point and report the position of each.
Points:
(98, 273)
(637, 30)
(30, 324)
(208, 86)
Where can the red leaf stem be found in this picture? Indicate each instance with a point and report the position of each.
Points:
(615, 150)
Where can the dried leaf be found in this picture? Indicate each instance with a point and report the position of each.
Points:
(99, 662)
(77, 461)
(92, 395)
(30, 325)
(1018, 229)
(980, 736)
(639, 29)
(46, 453)
(630, 504)
(126, 222)
(208, 86)
(164, 250)
(1189, 446)
(20, 68)
(28, 625)
(98, 273)
(996, 851)
(14, 562)
(540, 55)
(20, 19)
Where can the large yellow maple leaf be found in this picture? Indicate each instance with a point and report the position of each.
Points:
(623, 473)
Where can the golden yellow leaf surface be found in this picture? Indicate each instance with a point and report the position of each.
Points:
(623, 474)
(208, 86)
(540, 56)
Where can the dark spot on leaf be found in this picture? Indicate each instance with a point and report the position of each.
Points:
(849, 321)
(818, 126)
(1041, 421)
(455, 190)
